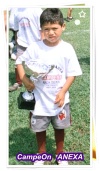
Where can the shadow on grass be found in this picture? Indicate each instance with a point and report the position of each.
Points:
(84, 60)
(23, 140)
(12, 79)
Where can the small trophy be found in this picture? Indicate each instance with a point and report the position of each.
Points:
(35, 70)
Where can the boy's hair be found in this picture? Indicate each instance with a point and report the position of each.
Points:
(51, 15)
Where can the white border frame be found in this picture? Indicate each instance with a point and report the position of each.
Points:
(4, 67)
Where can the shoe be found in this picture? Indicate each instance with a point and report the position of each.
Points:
(61, 162)
(68, 19)
(13, 56)
(14, 87)
(41, 162)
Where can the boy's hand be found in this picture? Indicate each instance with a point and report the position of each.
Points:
(30, 86)
(28, 83)
(60, 97)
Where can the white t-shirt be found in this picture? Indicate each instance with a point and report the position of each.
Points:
(13, 12)
(65, 62)
(27, 23)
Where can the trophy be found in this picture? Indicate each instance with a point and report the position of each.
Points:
(36, 70)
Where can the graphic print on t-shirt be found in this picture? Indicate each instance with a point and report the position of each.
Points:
(52, 79)
(24, 22)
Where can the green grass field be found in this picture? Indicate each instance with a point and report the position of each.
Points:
(77, 137)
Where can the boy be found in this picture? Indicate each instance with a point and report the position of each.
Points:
(51, 91)
(12, 43)
(27, 28)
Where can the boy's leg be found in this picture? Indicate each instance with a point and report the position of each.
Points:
(69, 15)
(40, 136)
(17, 77)
(18, 83)
(41, 141)
(39, 125)
(60, 122)
(59, 138)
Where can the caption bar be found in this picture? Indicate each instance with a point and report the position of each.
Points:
(71, 156)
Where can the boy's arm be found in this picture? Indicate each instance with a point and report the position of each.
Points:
(68, 83)
(26, 81)
(60, 97)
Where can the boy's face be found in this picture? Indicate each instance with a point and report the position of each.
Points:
(52, 33)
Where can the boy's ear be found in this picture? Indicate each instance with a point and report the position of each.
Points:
(63, 27)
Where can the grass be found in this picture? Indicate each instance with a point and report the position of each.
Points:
(77, 137)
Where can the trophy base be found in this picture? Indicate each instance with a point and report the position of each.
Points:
(22, 104)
